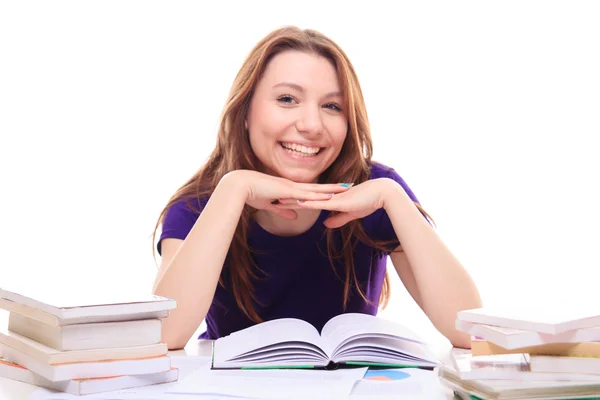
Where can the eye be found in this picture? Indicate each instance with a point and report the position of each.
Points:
(286, 99)
(333, 107)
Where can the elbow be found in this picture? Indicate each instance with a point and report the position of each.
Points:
(174, 342)
(173, 335)
(175, 345)
(460, 340)
(455, 337)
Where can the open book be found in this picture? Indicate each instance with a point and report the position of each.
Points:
(351, 339)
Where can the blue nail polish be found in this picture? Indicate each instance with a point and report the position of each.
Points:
(345, 184)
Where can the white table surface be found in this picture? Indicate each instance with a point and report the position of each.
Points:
(14, 390)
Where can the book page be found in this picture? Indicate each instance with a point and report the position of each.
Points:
(268, 384)
(288, 349)
(267, 334)
(397, 350)
(346, 326)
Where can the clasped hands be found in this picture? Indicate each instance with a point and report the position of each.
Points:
(357, 201)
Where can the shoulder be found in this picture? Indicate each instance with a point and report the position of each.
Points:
(186, 207)
(180, 217)
(379, 170)
(378, 225)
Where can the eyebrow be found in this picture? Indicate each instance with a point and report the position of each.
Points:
(301, 89)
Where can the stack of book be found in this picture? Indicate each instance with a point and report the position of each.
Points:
(85, 346)
(534, 354)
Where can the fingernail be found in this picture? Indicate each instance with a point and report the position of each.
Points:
(346, 184)
(329, 194)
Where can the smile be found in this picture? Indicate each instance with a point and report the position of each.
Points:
(300, 150)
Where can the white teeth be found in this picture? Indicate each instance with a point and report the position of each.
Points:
(297, 153)
(300, 150)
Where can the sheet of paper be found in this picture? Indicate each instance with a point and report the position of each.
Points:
(205, 384)
(11, 390)
(272, 384)
(45, 394)
(399, 384)
(137, 396)
(189, 364)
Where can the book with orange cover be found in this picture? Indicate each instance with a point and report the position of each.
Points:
(48, 355)
(480, 347)
(91, 369)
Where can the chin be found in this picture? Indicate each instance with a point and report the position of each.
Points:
(300, 176)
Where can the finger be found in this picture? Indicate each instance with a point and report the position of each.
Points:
(287, 201)
(290, 206)
(338, 220)
(325, 187)
(331, 205)
(308, 195)
(284, 213)
(284, 201)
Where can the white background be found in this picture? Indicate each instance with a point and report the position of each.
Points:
(490, 111)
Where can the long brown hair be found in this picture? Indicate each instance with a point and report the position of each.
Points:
(233, 152)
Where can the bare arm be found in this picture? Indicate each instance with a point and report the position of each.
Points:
(432, 275)
(190, 269)
(403, 268)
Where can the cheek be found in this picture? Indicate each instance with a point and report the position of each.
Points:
(254, 143)
(268, 125)
(262, 141)
(339, 132)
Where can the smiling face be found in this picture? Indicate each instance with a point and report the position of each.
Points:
(295, 121)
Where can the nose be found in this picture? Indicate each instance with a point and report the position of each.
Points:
(310, 121)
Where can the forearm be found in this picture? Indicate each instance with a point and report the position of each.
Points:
(192, 276)
(444, 285)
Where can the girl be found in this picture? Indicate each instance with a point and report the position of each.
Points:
(290, 217)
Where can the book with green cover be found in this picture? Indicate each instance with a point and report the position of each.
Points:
(350, 339)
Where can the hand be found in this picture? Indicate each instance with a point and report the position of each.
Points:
(263, 191)
(355, 203)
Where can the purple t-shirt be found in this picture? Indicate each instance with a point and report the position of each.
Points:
(298, 280)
